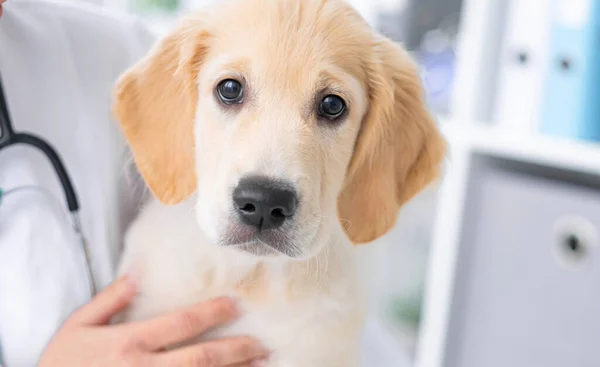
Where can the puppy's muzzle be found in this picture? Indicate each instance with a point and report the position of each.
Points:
(264, 203)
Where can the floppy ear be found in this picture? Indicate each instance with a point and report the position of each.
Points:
(155, 106)
(398, 151)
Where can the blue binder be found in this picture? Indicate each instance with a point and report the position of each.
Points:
(571, 102)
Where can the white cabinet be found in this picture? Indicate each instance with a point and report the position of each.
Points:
(515, 265)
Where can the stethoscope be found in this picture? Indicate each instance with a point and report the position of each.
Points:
(9, 137)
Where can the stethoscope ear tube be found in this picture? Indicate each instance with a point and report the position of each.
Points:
(9, 137)
(6, 130)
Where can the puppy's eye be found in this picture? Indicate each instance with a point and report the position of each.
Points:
(230, 91)
(332, 107)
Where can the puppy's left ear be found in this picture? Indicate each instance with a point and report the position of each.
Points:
(399, 148)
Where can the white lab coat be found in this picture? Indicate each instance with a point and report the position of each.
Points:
(59, 63)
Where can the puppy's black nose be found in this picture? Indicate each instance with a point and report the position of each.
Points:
(264, 203)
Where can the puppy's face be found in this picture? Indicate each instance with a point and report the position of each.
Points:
(284, 117)
(275, 127)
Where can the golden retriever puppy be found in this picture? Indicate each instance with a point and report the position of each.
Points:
(274, 135)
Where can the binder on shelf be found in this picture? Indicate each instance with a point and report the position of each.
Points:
(571, 107)
(523, 65)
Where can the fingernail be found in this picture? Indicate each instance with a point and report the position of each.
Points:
(235, 305)
(131, 282)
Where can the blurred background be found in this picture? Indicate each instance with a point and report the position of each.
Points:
(498, 264)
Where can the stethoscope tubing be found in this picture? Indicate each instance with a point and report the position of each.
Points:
(9, 137)
(53, 157)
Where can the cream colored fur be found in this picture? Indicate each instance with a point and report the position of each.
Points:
(352, 175)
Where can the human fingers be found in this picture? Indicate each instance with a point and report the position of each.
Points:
(219, 353)
(112, 300)
(178, 327)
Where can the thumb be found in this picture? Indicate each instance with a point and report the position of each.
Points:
(112, 300)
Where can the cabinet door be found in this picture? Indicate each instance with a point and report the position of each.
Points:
(527, 292)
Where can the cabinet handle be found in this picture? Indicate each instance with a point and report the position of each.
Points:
(573, 239)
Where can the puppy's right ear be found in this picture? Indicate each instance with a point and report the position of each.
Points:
(155, 104)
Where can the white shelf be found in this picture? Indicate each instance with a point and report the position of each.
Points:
(565, 154)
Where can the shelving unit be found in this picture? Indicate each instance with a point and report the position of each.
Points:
(503, 196)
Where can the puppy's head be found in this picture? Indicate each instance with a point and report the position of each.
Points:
(284, 117)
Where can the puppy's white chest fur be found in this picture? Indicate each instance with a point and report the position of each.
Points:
(308, 312)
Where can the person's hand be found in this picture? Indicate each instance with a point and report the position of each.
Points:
(86, 339)
(1, 2)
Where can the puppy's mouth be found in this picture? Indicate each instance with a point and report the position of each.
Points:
(270, 242)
